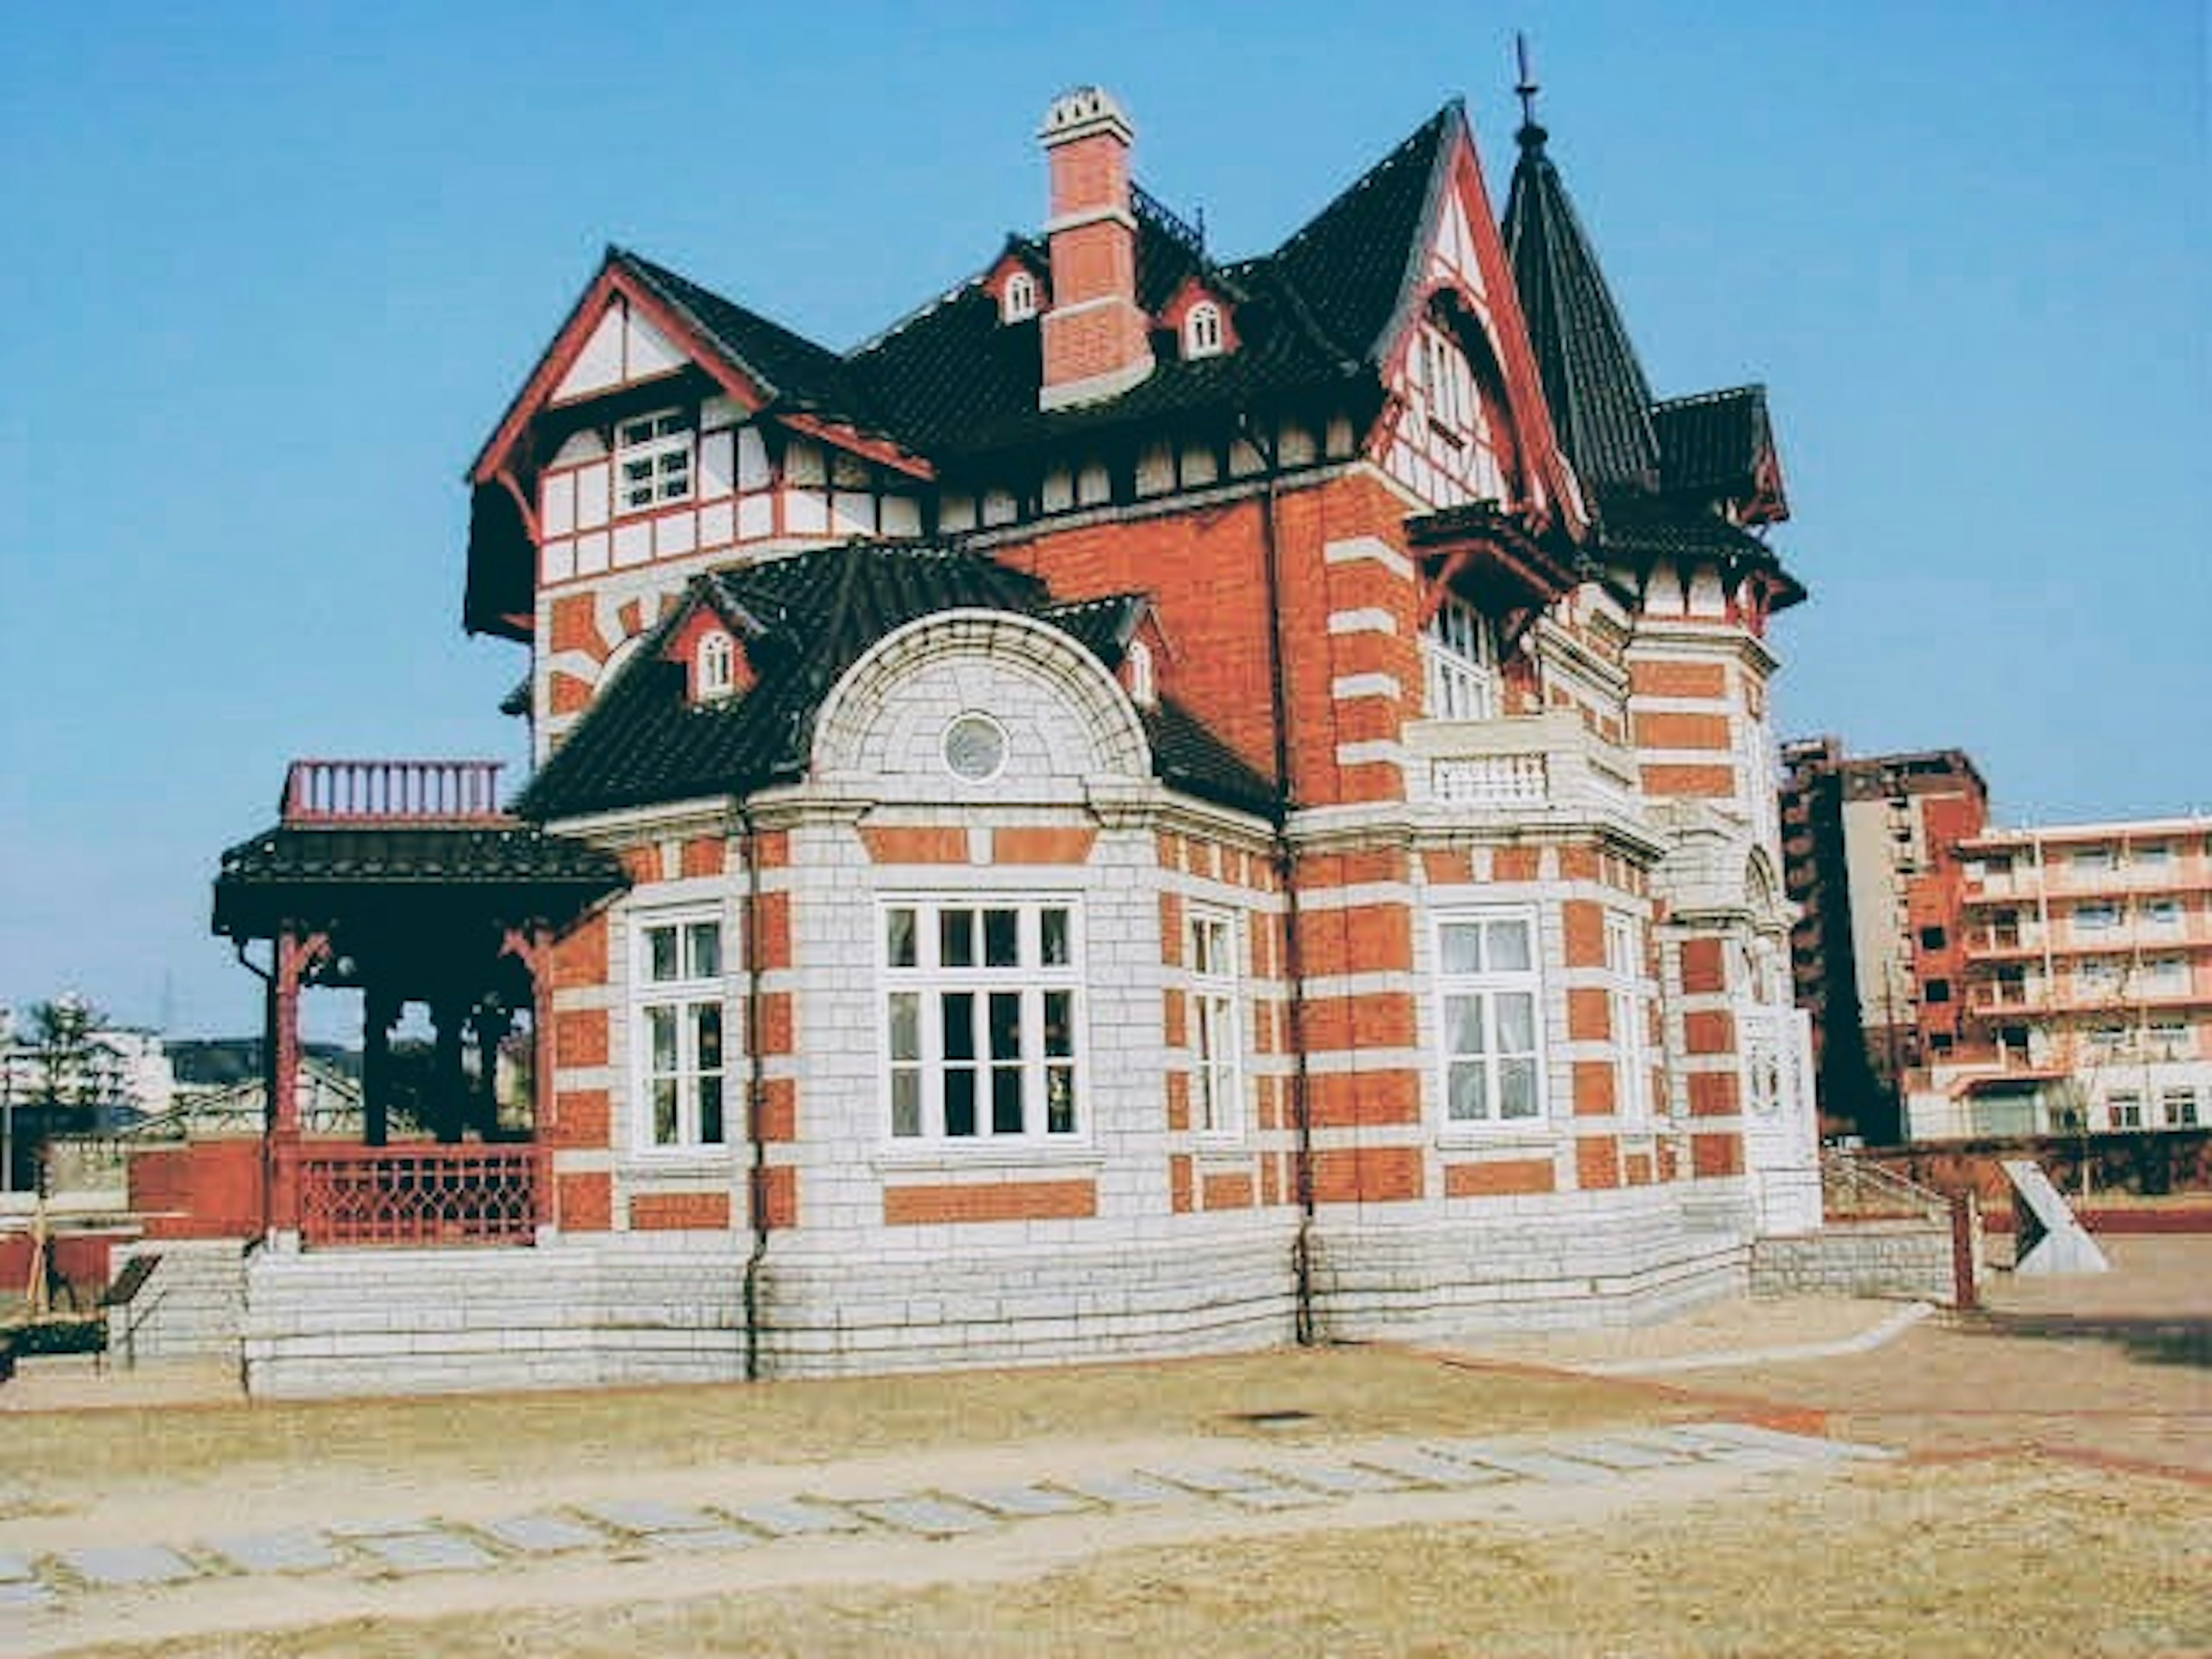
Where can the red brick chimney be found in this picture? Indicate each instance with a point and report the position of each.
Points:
(1096, 342)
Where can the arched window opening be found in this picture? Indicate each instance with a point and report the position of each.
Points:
(1018, 301)
(717, 666)
(1202, 331)
(1143, 691)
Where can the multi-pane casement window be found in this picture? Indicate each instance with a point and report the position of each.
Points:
(980, 1001)
(1216, 1045)
(679, 999)
(1455, 406)
(1490, 988)
(1624, 967)
(652, 460)
(1459, 657)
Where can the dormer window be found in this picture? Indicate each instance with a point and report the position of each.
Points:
(1202, 330)
(1018, 302)
(714, 670)
(652, 460)
(1143, 691)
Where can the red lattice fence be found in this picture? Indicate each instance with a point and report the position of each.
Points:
(419, 1196)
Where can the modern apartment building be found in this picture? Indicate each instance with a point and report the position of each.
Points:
(1857, 833)
(2078, 960)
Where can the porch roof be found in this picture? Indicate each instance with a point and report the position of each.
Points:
(488, 872)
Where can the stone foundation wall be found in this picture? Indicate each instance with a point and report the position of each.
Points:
(1893, 1258)
(670, 1308)
(1559, 1265)
(191, 1306)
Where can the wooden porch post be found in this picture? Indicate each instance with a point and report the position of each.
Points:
(450, 1087)
(297, 952)
(379, 1011)
(492, 1025)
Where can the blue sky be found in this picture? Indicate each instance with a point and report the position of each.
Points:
(274, 270)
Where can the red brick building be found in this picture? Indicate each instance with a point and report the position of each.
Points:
(1163, 802)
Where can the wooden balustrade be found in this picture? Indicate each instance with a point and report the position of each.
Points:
(352, 791)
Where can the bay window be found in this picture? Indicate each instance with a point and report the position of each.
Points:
(980, 1011)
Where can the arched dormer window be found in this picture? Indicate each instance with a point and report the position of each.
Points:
(1017, 302)
(1144, 690)
(1202, 331)
(714, 670)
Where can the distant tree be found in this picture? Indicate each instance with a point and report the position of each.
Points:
(70, 1070)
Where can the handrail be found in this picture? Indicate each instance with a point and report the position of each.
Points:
(1853, 1187)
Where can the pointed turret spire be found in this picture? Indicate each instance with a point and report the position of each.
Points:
(1601, 402)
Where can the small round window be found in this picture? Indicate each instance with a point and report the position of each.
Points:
(976, 748)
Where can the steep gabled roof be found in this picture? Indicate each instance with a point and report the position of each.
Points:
(1601, 402)
(643, 740)
(1352, 264)
(790, 369)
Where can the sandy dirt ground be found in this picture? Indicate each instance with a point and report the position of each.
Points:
(2057, 1497)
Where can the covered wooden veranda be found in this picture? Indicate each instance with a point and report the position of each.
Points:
(405, 881)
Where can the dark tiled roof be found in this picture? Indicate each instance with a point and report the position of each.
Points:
(1653, 472)
(952, 379)
(521, 861)
(1351, 264)
(1712, 444)
(791, 369)
(1600, 401)
(642, 741)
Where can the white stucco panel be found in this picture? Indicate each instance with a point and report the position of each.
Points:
(1064, 719)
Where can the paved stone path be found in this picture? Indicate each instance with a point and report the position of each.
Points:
(1300, 1476)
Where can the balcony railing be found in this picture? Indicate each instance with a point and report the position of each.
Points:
(1520, 764)
(347, 791)
(418, 1195)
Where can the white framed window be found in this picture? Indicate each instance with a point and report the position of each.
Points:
(2124, 1110)
(1202, 330)
(2162, 915)
(652, 460)
(982, 999)
(1459, 659)
(1489, 989)
(2096, 918)
(1217, 1025)
(1624, 967)
(716, 669)
(1144, 686)
(1455, 406)
(2180, 1106)
(1017, 302)
(679, 998)
(2169, 1039)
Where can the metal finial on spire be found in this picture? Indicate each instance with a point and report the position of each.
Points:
(1531, 135)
